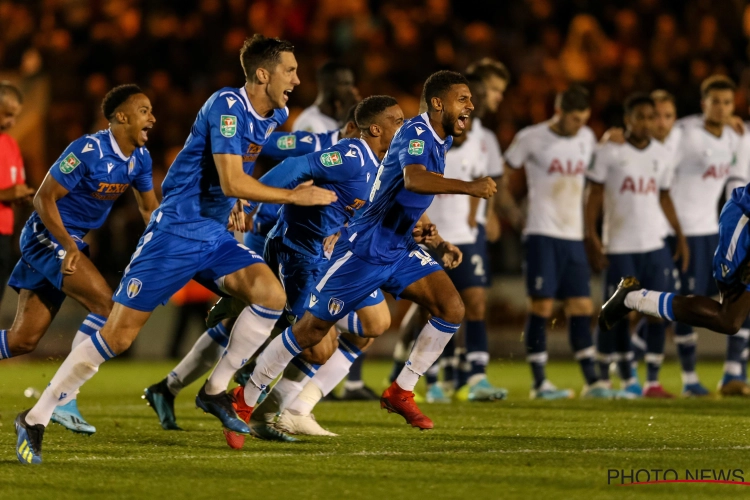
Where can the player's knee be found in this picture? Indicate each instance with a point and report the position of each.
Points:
(375, 326)
(102, 306)
(731, 325)
(475, 310)
(269, 293)
(23, 345)
(320, 354)
(451, 309)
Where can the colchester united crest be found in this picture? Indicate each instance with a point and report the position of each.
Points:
(134, 287)
(335, 306)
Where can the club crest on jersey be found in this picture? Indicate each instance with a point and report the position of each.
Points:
(228, 125)
(416, 147)
(286, 142)
(330, 159)
(69, 163)
(270, 129)
(335, 306)
(134, 287)
(131, 165)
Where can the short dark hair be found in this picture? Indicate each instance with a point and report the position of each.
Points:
(350, 116)
(717, 82)
(637, 99)
(7, 88)
(259, 51)
(661, 95)
(486, 67)
(437, 84)
(116, 97)
(474, 80)
(575, 98)
(370, 107)
(328, 70)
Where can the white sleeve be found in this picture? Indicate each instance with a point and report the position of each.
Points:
(494, 156)
(517, 153)
(665, 181)
(597, 171)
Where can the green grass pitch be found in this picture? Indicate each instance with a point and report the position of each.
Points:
(512, 449)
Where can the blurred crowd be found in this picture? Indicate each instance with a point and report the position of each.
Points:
(182, 51)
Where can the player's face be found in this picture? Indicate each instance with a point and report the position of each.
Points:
(390, 121)
(282, 80)
(457, 141)
(457, 107)
(495, 91)
(718, 105)
(640, 122)
(10, 108)
(666, 114)
(139, 118)
(572, 121)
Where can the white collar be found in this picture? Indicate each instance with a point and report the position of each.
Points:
(372, 155)
(335, 137)
(250, 107)
(115, 146)
(429, 126)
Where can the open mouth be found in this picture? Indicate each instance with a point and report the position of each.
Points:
(286, 94)
(144, 132)
(463, 120)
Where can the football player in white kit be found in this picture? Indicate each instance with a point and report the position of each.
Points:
(336, 94)
(555, 155)
(631, 183)
(472, 156)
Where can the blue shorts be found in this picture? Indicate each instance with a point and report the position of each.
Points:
(653, 269)
(299, 273)
(730, 263)
(472, 271)
(556, 268)
(256, 241)
(39, 268)
(163, 263)
(698, 280)
(348, 280)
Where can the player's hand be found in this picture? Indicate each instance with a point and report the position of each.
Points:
(450, 255)
(425, 234)
(21, 191)
(238, 218)
(330, 242)
(307, 195)
(482, 188)
(492, 227)
(737, 124)
(614, 134)
(595, 252)
(70, 262)
(682, 253)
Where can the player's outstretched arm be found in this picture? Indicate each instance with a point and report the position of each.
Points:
(682, 252)
(147, 203)
(235, 183)
(419, 180)
(592, 210)
(45, 203)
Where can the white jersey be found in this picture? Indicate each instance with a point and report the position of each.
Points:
(314, 121)
(450, 212)
(672, 143)
(494, 162)
(555, 173)
(703, 165)
(633, 179)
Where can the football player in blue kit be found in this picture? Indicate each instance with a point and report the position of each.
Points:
(377, 250)
(295, 247)
(188, 235)
(76, 197)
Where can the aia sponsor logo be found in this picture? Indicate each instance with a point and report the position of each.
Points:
(638, 185)
(567, 167)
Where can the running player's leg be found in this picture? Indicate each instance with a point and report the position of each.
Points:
(34, 314)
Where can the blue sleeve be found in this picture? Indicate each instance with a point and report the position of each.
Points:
(416, 148)
(74, 162)
(283, 145)
(225, 119)
(336, 164)
(288, 173)
(144, 181)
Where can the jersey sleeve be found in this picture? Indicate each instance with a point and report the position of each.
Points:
(518, 151)
(337, 164)
(667, 176)
(494, 155)
(144, 181)
(288, 173)
(416, 147)
(225, 123)
(283, 145)
(597, 171)
(75, 162)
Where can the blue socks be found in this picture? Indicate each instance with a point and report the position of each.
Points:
(4, 349)
(655, 338)
(579, 328)
(536, 347)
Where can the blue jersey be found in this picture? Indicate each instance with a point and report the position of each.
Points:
(194, 205)
(96, 173)
(349, 169)
(282, 145)
(384, 229)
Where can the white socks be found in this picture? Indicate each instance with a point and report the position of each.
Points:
(271, 362)
(206, 350)
(427, 349)
(251, 330)
(350, 324)
(306, 400)
(80, 365)
(658, 304)
(337, 367)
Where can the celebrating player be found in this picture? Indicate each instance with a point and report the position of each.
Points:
(76, 197)
(187, 235)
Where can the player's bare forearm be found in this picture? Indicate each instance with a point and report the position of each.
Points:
(45, 203)
(147, 203)
(473, 208)
(670, 213)
(430, 236)
(418, 179)
(592, 208)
